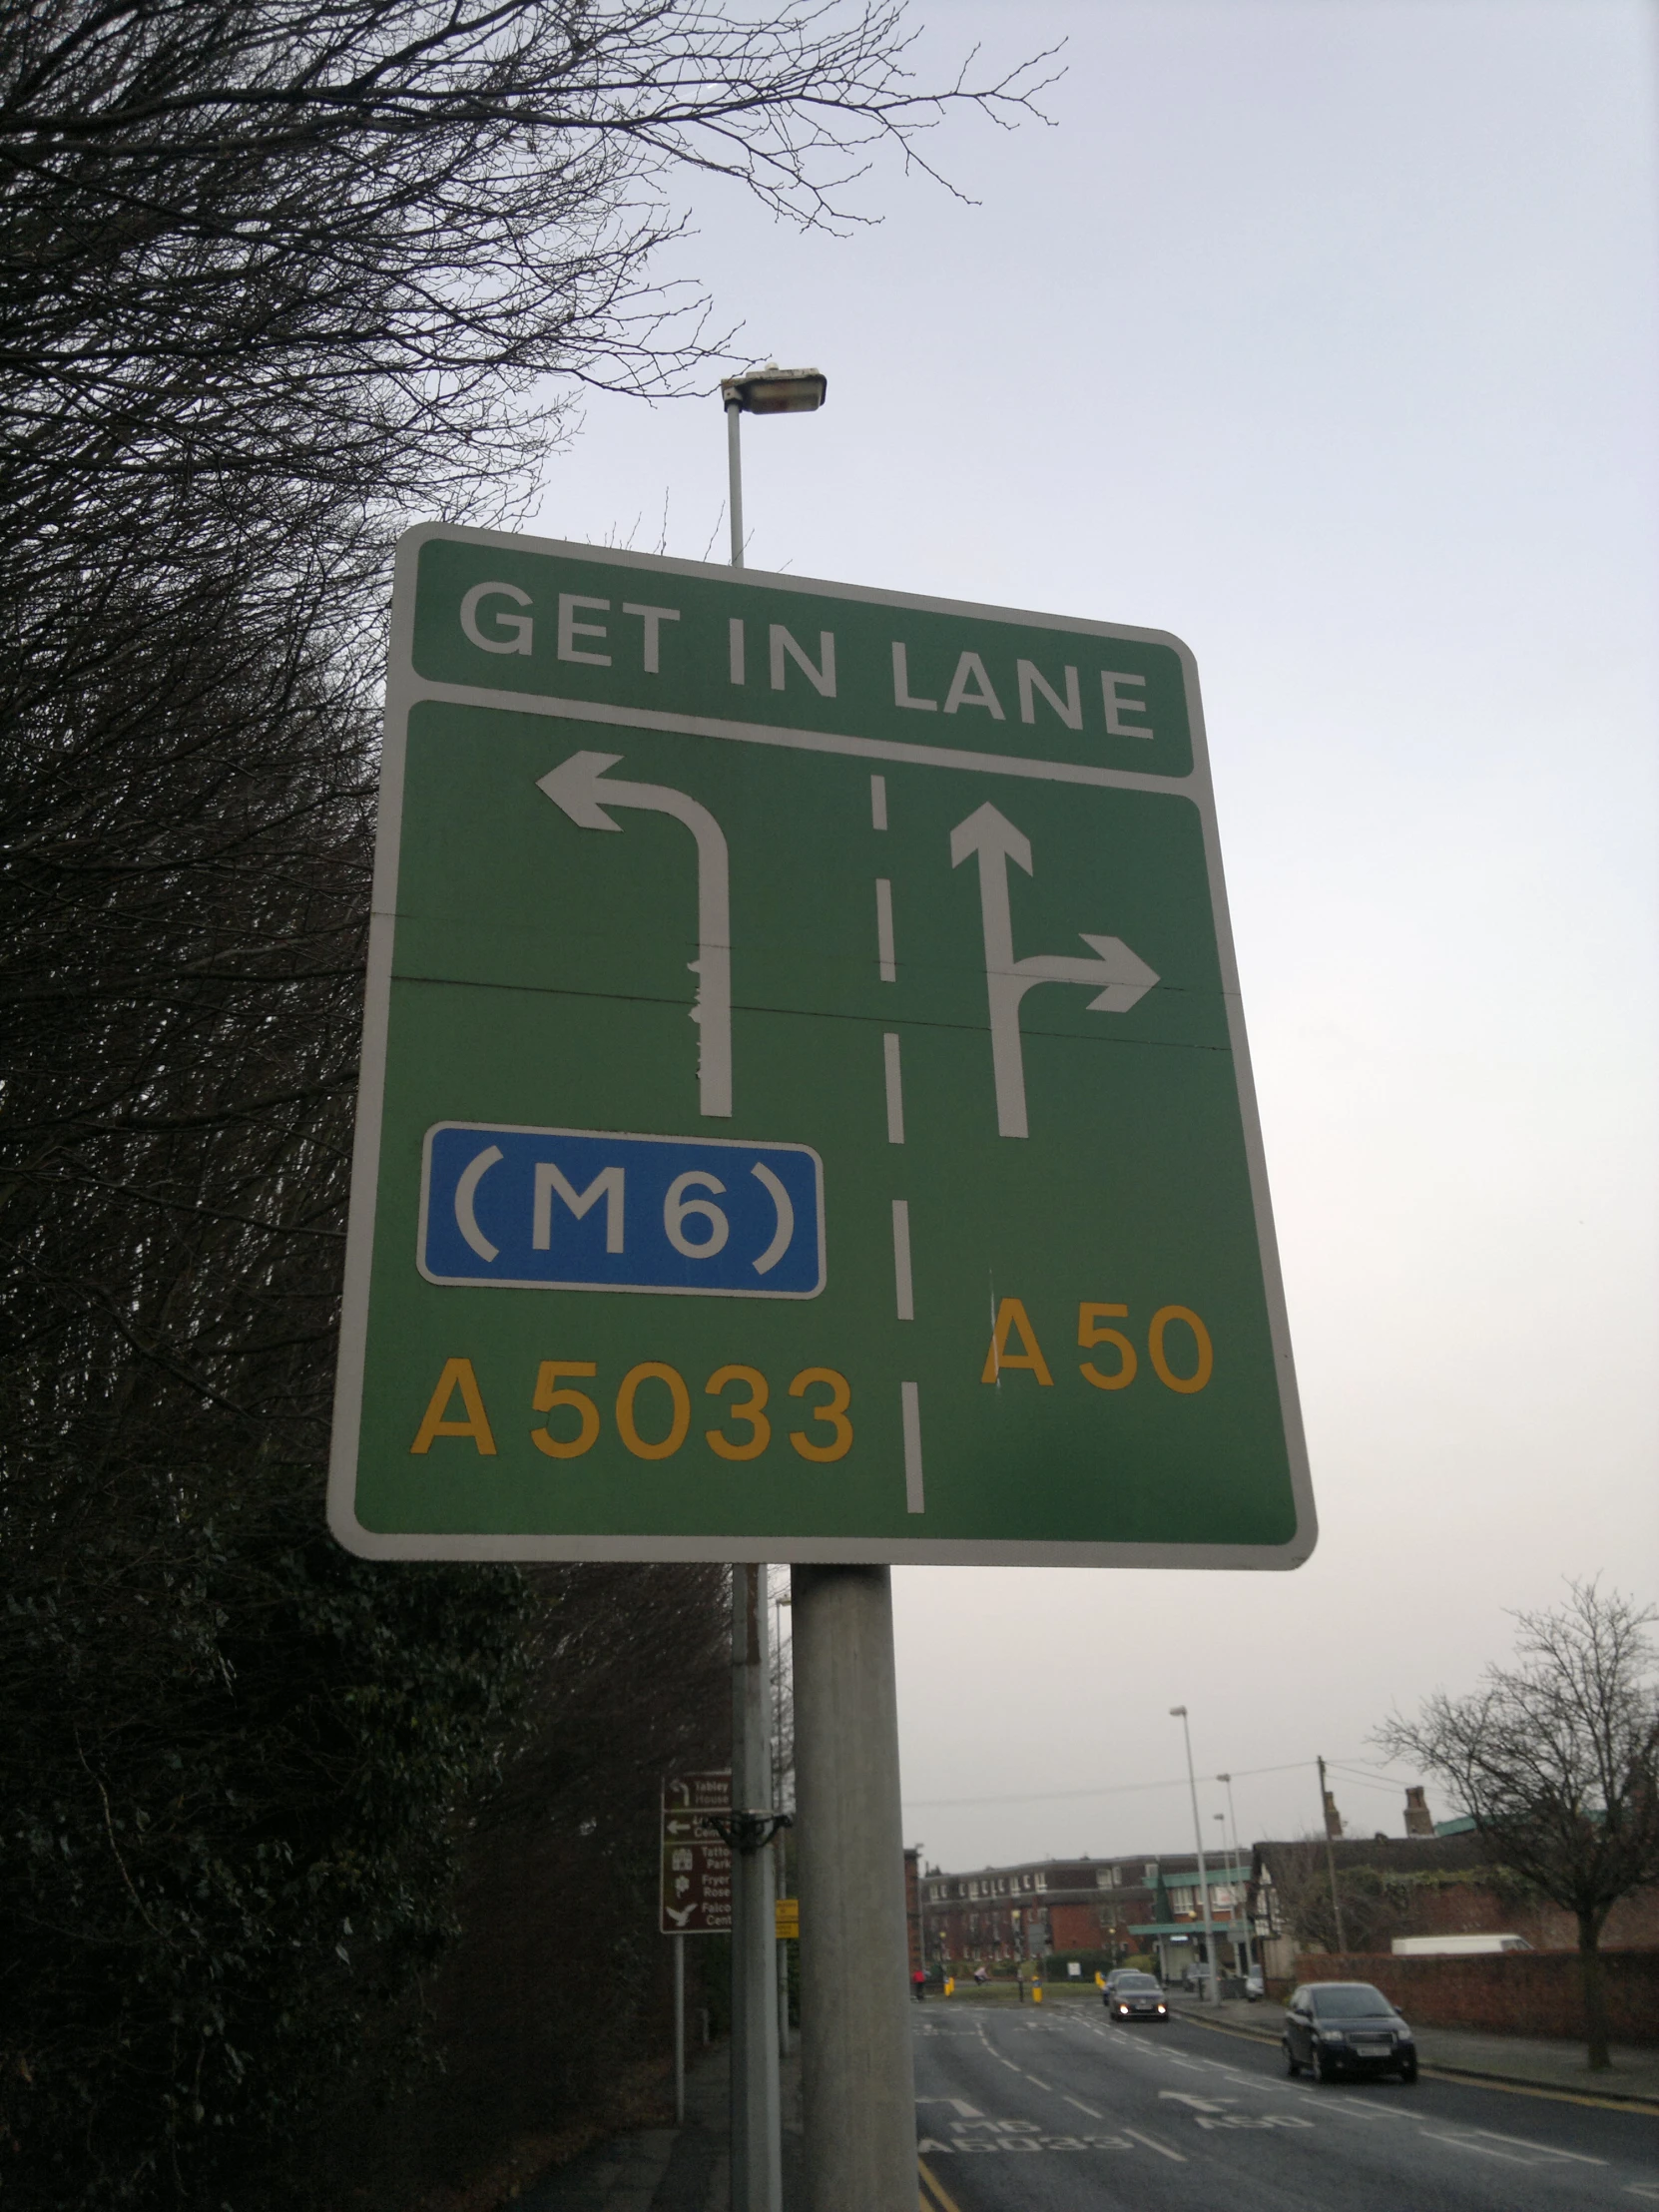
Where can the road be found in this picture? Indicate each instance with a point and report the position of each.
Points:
(1057, 2110)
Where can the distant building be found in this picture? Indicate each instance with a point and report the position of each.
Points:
(1123, 1907)
(913, 1906)
(1442, 1884)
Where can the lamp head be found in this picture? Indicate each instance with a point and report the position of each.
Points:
(1178, 1712)
(775, 390)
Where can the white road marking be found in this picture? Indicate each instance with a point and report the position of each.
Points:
(1032, 2077)
(879, 801)
(1481, 2150)
(1088, 2108)
(1152, 2143)
(1544, 2150)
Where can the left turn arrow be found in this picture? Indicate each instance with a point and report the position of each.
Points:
(579, 786)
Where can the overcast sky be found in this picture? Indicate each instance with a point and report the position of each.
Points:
(1326, 335)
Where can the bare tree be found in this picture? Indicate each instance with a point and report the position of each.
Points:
(1556, 1761)
(275, 276)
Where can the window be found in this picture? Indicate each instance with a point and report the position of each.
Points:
(1042, 1881)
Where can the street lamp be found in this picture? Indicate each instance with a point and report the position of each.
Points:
(769, 390)
(757, 1970)
(1179, 1712)
(1232, 1830)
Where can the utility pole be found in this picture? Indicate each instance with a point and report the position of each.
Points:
(1331, 1859)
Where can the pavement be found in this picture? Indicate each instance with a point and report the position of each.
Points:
(673, 2169)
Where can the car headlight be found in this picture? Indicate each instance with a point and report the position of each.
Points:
(1331, 2035)
(1163, 2007)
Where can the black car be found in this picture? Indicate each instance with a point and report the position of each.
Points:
(1129, 1994)
(1333, 2028)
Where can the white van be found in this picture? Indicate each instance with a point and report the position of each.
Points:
(1455, 1947)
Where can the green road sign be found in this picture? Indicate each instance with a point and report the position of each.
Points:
(804, 1108)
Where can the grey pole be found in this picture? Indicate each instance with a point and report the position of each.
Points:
(857, 2082)
(1203, 1873)
(1241, 1887)
(679, 2031)
(1331, 1860)
(780, 1871)
(757, 2170)
(734, 471)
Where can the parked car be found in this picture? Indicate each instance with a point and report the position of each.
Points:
(1333, 2028)
(1129, 1994)
(1255, 1985)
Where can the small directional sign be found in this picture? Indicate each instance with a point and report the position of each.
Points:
(696, 1896)
(804, 1109)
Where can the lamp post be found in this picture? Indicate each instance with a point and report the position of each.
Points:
(757, 2026)
(858, 2079)
(1179, 1712)
(1233, 1831)
(769, 390)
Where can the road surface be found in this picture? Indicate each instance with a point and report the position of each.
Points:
(1057, 2110)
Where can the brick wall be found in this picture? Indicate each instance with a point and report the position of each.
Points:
(1513, 1993)
(1470, 1909)
(1074, 1927)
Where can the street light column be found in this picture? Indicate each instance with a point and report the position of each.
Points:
(734, 470)
(1180, 1712)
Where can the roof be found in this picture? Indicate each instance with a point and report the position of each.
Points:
(1388, 1854)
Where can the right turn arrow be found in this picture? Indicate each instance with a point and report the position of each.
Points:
(1118, 976)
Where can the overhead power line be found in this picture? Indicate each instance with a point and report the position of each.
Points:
(1105, 1789)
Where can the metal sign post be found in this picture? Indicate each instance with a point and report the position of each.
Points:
(696, 1896)
(806, 1116)
(757, 2170)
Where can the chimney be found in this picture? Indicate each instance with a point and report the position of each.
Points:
(1333, 1819)
(1419, 1820)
